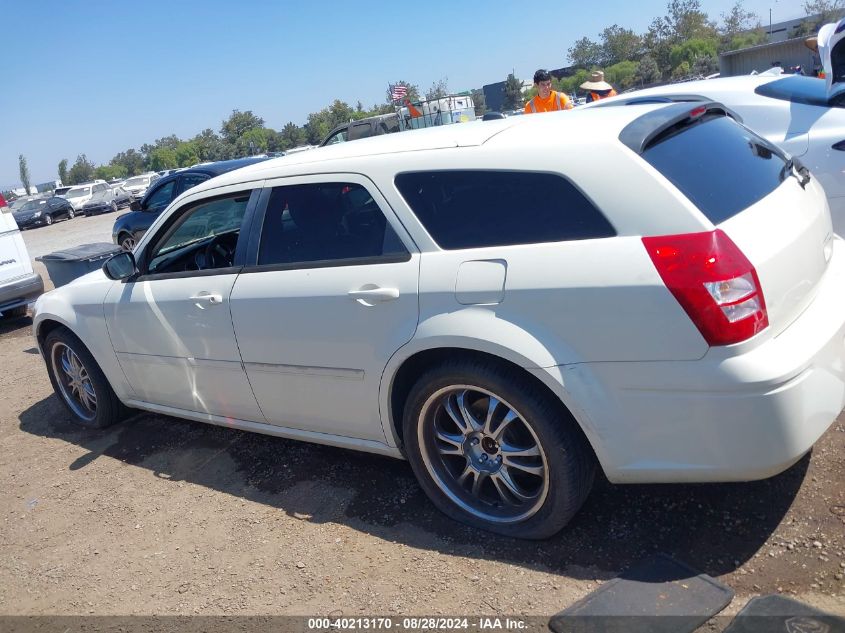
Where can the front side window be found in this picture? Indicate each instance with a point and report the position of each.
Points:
(161, 197)
(192, 180)
(205, 237)
(325, 222)
(474, 209)
(337, 137)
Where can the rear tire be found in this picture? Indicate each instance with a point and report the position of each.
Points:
(71, 214)
(493, 450)
(79, 382)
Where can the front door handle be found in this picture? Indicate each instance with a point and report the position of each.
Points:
(370, 296)
(207, 297)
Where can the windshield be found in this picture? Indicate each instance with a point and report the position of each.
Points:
(62, 191)
(32, 205)
(134, 182)
(79, 193)
(799, 89)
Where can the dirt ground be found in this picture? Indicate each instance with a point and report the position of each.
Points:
(163, 516)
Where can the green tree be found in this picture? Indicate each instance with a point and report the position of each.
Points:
(209, 146)
(131, 160)
(187, 154)
(585, 53)
(254, 141)
(693, 49)
(439, 88)
(24, 172)
(619, 45)
(237, 124)
(827, 10)
(292, 135)
(571, 85)
(622, 75)
(513, 93)
(63, 170)
(108, 172)
(681, 71)
(162, 158)
(480, 102)
(647, 73)
(81, 171)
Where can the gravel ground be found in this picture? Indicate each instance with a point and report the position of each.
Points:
(163, 516)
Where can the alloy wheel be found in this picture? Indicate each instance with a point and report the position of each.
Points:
(48, 219)
(482, 454)
(74, 381)
(127, 243)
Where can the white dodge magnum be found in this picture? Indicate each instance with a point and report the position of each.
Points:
(652, 290)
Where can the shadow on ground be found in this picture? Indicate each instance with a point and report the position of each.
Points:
(709, 526)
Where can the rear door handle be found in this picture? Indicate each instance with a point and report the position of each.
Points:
(369, 296)
(207, 297)
(840, 146)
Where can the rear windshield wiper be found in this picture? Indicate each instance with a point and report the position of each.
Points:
(794, 167)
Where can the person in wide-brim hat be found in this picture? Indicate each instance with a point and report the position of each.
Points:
(598, 87)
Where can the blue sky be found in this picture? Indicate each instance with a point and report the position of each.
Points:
(99, 77)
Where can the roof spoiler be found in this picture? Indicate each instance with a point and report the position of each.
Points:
(642, 131)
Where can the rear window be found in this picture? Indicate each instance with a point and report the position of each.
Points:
(473, 209)
(719, 165)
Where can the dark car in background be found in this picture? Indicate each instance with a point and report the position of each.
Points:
(43, 212)
(130, 227)
(102, 201)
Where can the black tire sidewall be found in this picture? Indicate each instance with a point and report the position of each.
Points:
(570, 460)
(108, 406)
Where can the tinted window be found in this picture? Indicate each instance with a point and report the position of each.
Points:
(192, 180)
(337, 137)
(798, 89)
(325, 222)
(161, 197)
(719, 165)
(471, 209)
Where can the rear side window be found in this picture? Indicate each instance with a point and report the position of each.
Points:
(472, 209)
(719, 165)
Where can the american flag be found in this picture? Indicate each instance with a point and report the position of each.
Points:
(397, 92)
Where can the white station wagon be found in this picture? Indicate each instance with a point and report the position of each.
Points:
(653, 290)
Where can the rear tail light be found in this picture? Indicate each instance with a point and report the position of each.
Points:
(713, 281)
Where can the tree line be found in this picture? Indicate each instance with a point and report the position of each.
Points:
(682, 44)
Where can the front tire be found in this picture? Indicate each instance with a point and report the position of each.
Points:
(48, 219)
(126, 241)
(493, 450)
(71, 214)
(79, 382)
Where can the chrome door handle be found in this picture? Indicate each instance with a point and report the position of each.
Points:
(368, 296)
(207, 297)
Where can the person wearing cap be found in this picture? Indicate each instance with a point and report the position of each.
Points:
(598, 87)
(546, 100)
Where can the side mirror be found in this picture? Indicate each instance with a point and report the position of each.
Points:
(121, 266)
(135, 205)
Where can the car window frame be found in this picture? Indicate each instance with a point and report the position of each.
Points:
(252, 266)
(166, 228)
(181, 181)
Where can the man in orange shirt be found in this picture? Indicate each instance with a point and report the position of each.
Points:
(547, 100)
(598, 88)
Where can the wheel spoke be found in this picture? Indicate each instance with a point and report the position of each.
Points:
(66, 364)
(532, 470)
(492, 405)
(501, 489)
(512, 486)
(463, 407)
(88, 389)
(455, 443)
(457, 418)
(479, 479)
(515, 451)
(463, 476)
(504, 424)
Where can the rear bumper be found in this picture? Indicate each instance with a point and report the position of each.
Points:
(20, 291)
(728, 416)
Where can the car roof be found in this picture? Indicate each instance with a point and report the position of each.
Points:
(590, 125)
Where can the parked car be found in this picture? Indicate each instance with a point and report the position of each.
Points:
(19, 284)
(660, 295)
(43, 212)
(130, 227)
(79, 195)
(137, 185)
(62, 191)
(103, 201)
(122, 197)
(792, 111)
